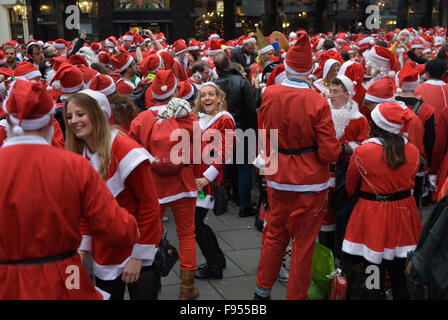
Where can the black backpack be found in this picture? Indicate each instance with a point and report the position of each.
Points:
(138, 95)
(426, 267)
(268, 68)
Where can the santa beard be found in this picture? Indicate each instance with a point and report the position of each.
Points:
(48, 136)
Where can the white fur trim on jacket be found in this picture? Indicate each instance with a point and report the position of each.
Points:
(211, 173)
(298, 187)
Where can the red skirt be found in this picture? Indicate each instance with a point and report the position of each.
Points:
(383, 230)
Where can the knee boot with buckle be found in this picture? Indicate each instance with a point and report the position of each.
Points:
(187, 290)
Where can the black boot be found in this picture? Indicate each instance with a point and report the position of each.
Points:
(220, 261)
(211, 271)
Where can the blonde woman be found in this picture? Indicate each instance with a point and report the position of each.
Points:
(330, 71)
(214, 120)
(125, 167)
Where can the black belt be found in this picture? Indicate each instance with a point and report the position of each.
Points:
(385, 197)
(298, 151)
(28, 262)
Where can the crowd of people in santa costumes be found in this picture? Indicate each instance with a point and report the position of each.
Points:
(372, 104)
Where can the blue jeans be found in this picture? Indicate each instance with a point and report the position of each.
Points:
(244, 184)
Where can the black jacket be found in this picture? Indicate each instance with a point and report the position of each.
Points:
(238, 97)
(238, 56)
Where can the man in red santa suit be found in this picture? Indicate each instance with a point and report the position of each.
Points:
(299, 188)
(57, 196)
(434, 91)
(178, 190)
(180, 68)
(127, 68)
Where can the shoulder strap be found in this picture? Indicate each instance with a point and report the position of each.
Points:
(417, 106)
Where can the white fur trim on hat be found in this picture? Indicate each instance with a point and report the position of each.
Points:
(293, 72)
(128, 38)
(250, 40)
(348, 84)
(73, 89)
(110, 43)
(327, 66)
(101, 99)
(376, 99)
(32, 74)
(59, 45)
(383, 123)
(266, 49)
(213, 52)
(127, 64)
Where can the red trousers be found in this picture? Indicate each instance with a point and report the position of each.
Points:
(183, 212)
(297, 217)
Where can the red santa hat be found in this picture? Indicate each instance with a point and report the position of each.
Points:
(247, 40)
(111, 42)
(299, 59)
(7, 73)
(213, 36)
(381, 91)
(215, 47)
(151, 64)
(26, 70)
(185, 90)
(168, 59)
(179, 46)
(96, 47)
(2, 58)
(70, 78)
(277, 76)
(56, 62)
(391, 117)
(439, 41)
(104, 84)
(426, 49)
(129, 36)
(121, 61)
(348, 84)
(354, 71)
(101, 99)
(381, 58)
(29, 106)
(12, 43)
(407, 79)
(194, 45)
(163, 85)
(30, 43)
(417, 44)
(104, 58)
(160, 37)
(78, 60)
(60, 44)
(341, 37)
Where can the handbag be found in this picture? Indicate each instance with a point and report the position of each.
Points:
(166, 257)
(221, 198)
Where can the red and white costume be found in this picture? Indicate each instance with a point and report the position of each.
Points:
(124, 86)
(181, 71)
(353, 128)
(297, 192)
(439, 165)
(44, 194)
(435, 93)
(212, 126)
(130, 180)
(382, 230)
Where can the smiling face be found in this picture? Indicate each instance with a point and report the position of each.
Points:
(209, 99)
(79, 122)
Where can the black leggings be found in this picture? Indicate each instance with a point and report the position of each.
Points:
(146, 288)
(355, 269)
(205, 237)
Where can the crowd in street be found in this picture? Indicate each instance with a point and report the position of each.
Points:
(87, 156)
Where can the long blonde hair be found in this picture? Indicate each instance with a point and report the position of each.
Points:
(101, 131)
(222, 105)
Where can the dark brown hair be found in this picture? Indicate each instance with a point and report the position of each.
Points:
(123, 110)
(393, 146)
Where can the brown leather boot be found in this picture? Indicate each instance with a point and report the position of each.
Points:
(187, 291)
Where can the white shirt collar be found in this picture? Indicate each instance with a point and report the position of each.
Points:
(23, 140)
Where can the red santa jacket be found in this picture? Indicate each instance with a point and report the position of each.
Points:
(214, 126)
(435, 93)
(303, 120)
(130, 181)
(169, 187)
(44, 194)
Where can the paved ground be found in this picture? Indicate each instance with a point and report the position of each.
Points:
(241, 243)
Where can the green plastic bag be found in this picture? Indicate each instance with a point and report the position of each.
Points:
(323, 266)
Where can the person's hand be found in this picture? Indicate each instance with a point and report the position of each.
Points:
(432, 179)
(202, 182)
(83, 35)
(256, 80)
(132, 270)
(149, 34)
(83, 256)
